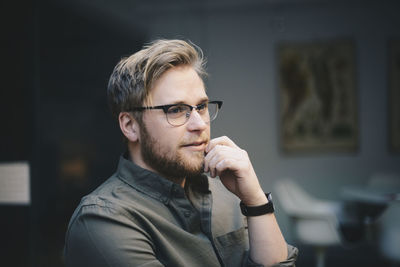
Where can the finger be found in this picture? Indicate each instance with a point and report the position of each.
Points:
(217, 149)
(223, 140)
(224, 165)
(218, 154)
(212, 163)
(208, 158)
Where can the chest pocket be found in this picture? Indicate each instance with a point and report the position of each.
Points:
(233, 246)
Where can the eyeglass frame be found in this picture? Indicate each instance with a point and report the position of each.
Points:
(166, 107)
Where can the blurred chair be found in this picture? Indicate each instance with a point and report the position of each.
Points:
(389, 221)
(315, 220)
(389, 234)
(387, 187)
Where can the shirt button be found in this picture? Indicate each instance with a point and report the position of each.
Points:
(187, 213)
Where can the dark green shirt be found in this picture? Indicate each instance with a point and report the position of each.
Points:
(138, 218)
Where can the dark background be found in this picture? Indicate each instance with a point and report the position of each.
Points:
(54, 71)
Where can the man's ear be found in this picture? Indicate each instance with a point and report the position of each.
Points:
(129, 126)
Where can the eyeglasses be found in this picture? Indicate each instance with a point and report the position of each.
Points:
(179, 114)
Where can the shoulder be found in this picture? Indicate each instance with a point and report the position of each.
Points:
(103, 225)
(104, 198)
(114, 199)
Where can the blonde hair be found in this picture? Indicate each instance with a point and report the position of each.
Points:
(133, 77)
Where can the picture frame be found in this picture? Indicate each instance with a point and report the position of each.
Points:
(317, 91)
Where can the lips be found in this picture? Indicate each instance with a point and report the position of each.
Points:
(198, 145)
(195, 144)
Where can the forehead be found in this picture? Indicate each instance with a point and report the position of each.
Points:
(178, 84)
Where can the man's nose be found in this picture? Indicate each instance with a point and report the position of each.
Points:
(196, 122)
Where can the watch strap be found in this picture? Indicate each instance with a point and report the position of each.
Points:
(258, 210)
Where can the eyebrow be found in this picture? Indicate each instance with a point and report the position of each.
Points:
(205, 99)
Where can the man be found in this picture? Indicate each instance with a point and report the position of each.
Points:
(159, 209)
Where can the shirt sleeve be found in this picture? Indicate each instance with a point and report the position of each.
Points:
(289, 262)
(100, 236)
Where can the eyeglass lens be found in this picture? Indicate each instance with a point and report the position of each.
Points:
(179, 114)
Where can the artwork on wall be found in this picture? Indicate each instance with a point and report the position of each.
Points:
(318, 106)
(394, 96)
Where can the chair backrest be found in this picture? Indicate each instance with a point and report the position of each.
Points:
(315, 219)
(292, 197)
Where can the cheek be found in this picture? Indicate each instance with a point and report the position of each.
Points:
(160, 131)
(168, 140)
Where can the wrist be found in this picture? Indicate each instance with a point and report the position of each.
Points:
(258, 210)
(259, 199)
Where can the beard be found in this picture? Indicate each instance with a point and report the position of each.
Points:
(172, 164)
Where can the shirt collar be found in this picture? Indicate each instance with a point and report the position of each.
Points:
(155, 185)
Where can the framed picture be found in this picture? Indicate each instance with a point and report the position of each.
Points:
(394, 96)
(318, 106)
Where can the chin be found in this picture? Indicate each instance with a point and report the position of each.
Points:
(195, 158)
(195, 165)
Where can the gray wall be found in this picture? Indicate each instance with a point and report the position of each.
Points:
(240, 43)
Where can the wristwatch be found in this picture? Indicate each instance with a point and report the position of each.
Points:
(258, 210)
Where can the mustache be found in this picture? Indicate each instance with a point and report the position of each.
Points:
(196, 141)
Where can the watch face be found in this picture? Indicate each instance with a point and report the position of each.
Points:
(269, 197)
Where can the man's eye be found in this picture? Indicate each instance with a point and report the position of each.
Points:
(176, 109)
(202, 106)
